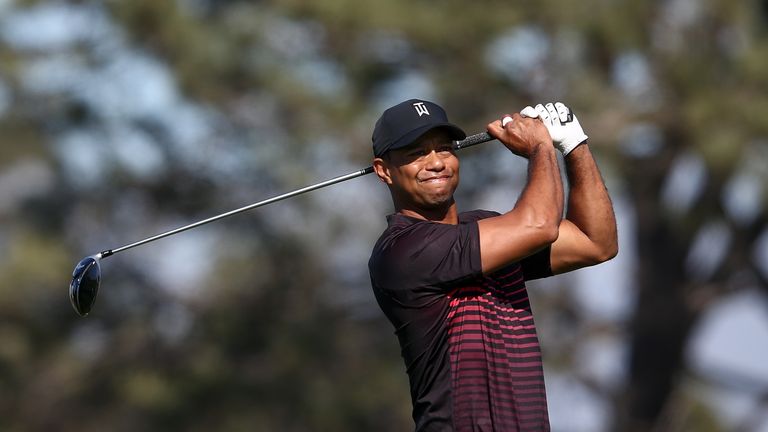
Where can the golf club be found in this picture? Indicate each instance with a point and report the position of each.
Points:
(86, 277)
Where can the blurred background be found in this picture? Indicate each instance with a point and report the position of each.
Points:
(120, 119)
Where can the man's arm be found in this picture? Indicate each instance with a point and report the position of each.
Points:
(587, 236)
(533, 223)
(588, 233)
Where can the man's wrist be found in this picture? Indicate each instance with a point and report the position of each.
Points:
(576, 151)
(569, 144)
(541, 146)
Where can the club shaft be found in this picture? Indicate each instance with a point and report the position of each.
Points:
(306, 189)
(467, 142)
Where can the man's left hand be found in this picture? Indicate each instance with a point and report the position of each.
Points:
(562, 124)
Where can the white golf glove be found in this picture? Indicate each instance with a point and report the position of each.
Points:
(562, 124)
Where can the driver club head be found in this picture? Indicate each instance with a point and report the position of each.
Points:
(85, 284)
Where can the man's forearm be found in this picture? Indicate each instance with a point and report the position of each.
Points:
(543, 194)
(589, 205)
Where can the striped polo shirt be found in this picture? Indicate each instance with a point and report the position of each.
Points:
(468, 340)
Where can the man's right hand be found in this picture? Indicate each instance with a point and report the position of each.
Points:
(522, 135)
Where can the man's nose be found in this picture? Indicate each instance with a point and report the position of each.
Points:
(434, 162)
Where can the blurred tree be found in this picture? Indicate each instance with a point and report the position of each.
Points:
(122, 118)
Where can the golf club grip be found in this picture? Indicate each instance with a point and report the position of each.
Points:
(473, 140)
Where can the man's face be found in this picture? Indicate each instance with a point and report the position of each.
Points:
(425, 174)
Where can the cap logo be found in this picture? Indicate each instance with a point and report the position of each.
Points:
(421, 109)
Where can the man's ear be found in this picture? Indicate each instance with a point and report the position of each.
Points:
(382, 170)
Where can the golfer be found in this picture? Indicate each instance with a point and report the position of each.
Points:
(453, 283)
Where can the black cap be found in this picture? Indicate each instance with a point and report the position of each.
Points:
(404, 123)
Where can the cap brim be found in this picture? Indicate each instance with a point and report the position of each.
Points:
(455, 132)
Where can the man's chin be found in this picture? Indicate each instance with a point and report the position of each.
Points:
(437, 202)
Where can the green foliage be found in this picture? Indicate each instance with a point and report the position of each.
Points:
(271, 336)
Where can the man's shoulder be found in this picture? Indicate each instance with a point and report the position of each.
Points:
(476, 215)
(395, 245)
(405, 234)
(398, 227)
(399, 224)
(415, 252)
(399, 221)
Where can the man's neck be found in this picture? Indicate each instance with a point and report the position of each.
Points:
(447, 215)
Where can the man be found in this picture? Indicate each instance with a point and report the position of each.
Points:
(453, 284)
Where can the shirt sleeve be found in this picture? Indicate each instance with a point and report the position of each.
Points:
(429, 255)
(538, 265)
(534, 266)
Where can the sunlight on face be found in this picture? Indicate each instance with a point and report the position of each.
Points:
(425, 174)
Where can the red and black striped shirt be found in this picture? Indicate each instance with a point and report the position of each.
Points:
(468, 341)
